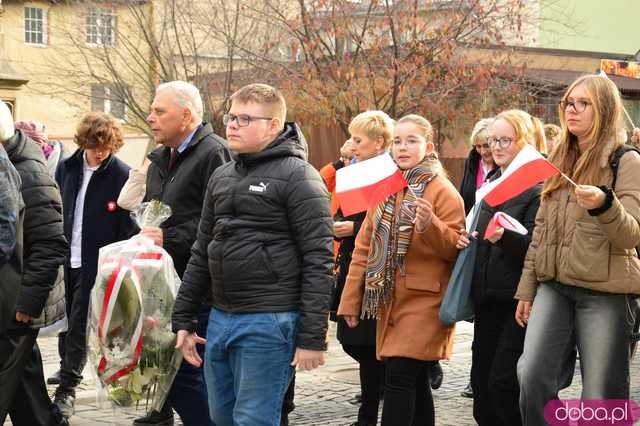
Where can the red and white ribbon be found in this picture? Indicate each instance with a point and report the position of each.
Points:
(106, 368)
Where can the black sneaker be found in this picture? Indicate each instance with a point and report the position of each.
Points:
(64, 401)
(163, 418)
(467, 392)
(57, 419)
(54, 379)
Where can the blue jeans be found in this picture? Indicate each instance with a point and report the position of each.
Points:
(562, 317)
(247, 366)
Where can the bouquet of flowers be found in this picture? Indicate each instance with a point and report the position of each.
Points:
(130, 342)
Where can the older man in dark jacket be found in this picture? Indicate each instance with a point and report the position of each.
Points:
(264, 251)
(178, 176)
(45, 249)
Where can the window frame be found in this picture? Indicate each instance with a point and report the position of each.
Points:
(103, 100)
(93, 37)
(35, 20)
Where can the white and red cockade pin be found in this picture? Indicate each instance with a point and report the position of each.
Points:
(112, 206)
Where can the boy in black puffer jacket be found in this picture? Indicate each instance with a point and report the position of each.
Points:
(264, 252)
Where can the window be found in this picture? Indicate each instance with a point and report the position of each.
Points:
(107, 98)
(11, 104)
(34, 25)
(101, 28)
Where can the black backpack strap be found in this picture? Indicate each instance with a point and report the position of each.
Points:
(615, 160)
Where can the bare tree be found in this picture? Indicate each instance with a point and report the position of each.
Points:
(332, 58)
(137, 45)
(400, 56)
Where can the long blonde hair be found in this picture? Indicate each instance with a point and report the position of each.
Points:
(585, 168)
(541, 138)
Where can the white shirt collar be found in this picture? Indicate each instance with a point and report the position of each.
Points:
(86, 165)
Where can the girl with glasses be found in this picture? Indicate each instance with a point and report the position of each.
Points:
(497, 338)
(581, 272)
(401, 265)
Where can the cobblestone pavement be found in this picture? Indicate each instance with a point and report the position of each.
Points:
(323, 396)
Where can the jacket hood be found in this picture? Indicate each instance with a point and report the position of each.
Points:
(20, 148)
(290, 143)
(612, 144)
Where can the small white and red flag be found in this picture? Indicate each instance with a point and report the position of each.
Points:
(525, 171)
(503, 220)
(367, 183)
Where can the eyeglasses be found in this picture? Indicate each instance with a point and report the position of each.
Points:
(503, 142)
(482, 146)
(242, 120)
(409, 143)
(578, 106)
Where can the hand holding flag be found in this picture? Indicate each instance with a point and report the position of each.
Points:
(589, 197)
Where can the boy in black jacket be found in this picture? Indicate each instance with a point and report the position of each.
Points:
(90, 182)
(264, 252)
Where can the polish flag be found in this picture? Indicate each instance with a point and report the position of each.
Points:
(525, 171)
(505, 221)
(367, 183)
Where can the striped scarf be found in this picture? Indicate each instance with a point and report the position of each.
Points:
(390, 241)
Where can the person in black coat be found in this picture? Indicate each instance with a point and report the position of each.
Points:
(44, 250)
(181, 184)
(498, 340)
(16, 340)
(264, 252)
(479, 166)
(11, 222)
(90, 182)
(178, 175)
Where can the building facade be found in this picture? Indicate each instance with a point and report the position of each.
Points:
(42, 74)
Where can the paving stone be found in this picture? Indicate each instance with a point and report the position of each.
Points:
(324, 396)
